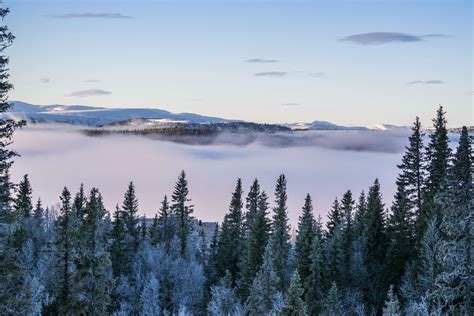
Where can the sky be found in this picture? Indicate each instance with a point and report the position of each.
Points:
(348, 62)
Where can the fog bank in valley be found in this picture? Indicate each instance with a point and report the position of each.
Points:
(324, 164)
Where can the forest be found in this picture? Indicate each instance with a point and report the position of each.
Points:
(412, 257)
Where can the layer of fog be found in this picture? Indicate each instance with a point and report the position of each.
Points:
(56, 155)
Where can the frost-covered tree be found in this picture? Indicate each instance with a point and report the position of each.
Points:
(392, 306)
(93, 281)
(264, 294)
(182, 210)
(294, 303)
(333, 303)
(280, 237)
(454, 284)
(149, 297)
(224, 300)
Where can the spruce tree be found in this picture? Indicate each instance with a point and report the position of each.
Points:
(359, 216)
(454, 284)
(376, 247)
(412, 172)
(314, 284)
(334, 218)
(166, 223)
(130, 217)
(264, 291)
(333, 305)
(79, 203)
(182, 210)
(93, 281)
(294, 303)
(66, 252)
(280, 237)
(347, 208)
(392, 306)
(438, 154)
(251, 204)
(118, 249)
(229, 246)
(254, 246)
(154, 231)
(304, 241)
(400, 233)
(23, 202)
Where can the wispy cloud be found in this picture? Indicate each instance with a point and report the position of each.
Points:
(45, 80)
(270, 74)
(291, 104)
(261, 60)
(89, 93)
(91, 80)
(425, 82)
(89, 15)
(377, 38)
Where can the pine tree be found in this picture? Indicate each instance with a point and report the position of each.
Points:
(333, 304)
(66, 252)
(79, 203)
(23, 202)
(314, 284)
(334, 218)
(93, 281)
(400, 249)
(224, 300)
(166, 222)
(254, 246)
(304, 241)
(181, 210)
(376, 246)
(347, 207)
(412, 173)
(252, 204)
(429, 267)
(280, 237)
(454, 284)
(118, 247)
(229, 246)
(392, 306)
(294, 304)
(438, 154)
(360, 214)
(130, 217)
(264, 291)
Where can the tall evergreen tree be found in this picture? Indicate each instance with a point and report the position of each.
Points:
(438, 155)
(454, 284)
(412, 172)
(229, 246)
(347, 209)
(79, 203)
(314, 284)
(254, 247)
(400, 233)
(129, 214)
(66, 252)
(304, 241)
(118, 249)
(334, 218)
(251, 204)
(280, 237)
(182, 210)
(359, 216)
(93, 281)
(376, 247)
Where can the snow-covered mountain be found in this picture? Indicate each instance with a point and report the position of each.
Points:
(98, 116)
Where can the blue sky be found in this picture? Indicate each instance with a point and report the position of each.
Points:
(348, 62)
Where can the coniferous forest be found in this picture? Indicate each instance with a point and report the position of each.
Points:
(412, 257)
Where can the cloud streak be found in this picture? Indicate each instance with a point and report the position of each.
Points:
(89, 93)
(291, 104)
(425, 82)
(89, 15)
(270, 74)
(378, 38)
(261, 60)
(45, 80)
